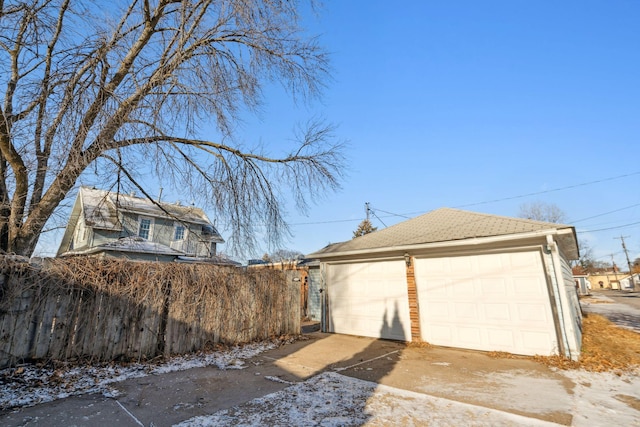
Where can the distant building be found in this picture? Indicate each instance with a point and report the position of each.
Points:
(606, 280)
(109, 224)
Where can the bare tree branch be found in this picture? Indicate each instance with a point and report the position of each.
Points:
(87, 88)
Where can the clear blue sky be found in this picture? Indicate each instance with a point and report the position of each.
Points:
(471, 104)
(460, 103)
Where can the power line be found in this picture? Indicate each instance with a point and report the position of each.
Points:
(392, 214)
(606, 213)
(611, 228)
(582, 184)
(326, 222)
(374, 214)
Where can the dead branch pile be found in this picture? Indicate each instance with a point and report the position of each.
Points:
(111, 309)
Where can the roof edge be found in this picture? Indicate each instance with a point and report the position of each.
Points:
(448, 243)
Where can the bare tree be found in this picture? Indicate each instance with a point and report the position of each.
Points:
(282, 255)
(541, 211)
(586, 260)
(115, 90)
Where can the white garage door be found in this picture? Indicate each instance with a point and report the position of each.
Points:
(495, 302)
(369, 299)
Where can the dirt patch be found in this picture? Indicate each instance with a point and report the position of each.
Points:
(605, 347)
(590, 300)
(632, 401)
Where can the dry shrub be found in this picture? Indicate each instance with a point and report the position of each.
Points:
(106, 309)
(503, 355)
(559, 362)
(605, 347)
(419, 344)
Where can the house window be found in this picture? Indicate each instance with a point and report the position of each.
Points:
(145, 228)
(179, 233)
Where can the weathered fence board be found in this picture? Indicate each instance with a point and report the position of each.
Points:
(48, 310)
(62, 325)
(105, 310)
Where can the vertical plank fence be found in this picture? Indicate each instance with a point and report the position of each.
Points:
(103, 310)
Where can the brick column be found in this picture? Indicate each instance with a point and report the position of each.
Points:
(414, 308)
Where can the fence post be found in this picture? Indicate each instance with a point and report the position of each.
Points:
(164, 319)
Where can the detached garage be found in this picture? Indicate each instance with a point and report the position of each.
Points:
(459, 279)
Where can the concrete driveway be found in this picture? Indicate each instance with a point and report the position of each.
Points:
(503, 388)
(329, 379)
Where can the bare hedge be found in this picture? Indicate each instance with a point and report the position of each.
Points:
(103, 310)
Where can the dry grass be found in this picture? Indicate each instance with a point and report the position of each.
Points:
(503, 355)
(605, 347)
(419, 344)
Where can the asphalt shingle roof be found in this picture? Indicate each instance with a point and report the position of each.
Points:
(441, 225)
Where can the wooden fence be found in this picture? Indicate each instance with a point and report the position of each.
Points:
(103, 310)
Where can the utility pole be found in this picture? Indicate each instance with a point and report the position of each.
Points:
(626, 253)
(367, 209)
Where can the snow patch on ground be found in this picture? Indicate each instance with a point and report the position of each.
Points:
(605, 398)
(331, 399)
(29, 385)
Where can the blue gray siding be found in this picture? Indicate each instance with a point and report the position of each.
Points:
(314, 303)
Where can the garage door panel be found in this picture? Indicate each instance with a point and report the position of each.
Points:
(438, 286)
(436, 309)
(497, 312)
(465, 286)
(460, 264)
(539, 340)
(489, 306)
(489, 266)
(493, 287)
(441, 332)
(369, 299)
(528, 313)
(466, 310)
(524, 260)
(469, 336)
(501, 339)
(528, 287)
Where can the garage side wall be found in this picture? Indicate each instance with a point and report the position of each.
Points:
(573, 319)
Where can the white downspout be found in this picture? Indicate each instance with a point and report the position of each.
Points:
(557, 279)
(323, 298)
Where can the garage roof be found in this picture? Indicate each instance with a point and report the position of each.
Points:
(442, 225)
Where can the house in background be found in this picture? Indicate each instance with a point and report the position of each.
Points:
(630, 282)
(606, 279)
(109, 224)
(583, 285)
(458, 279)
